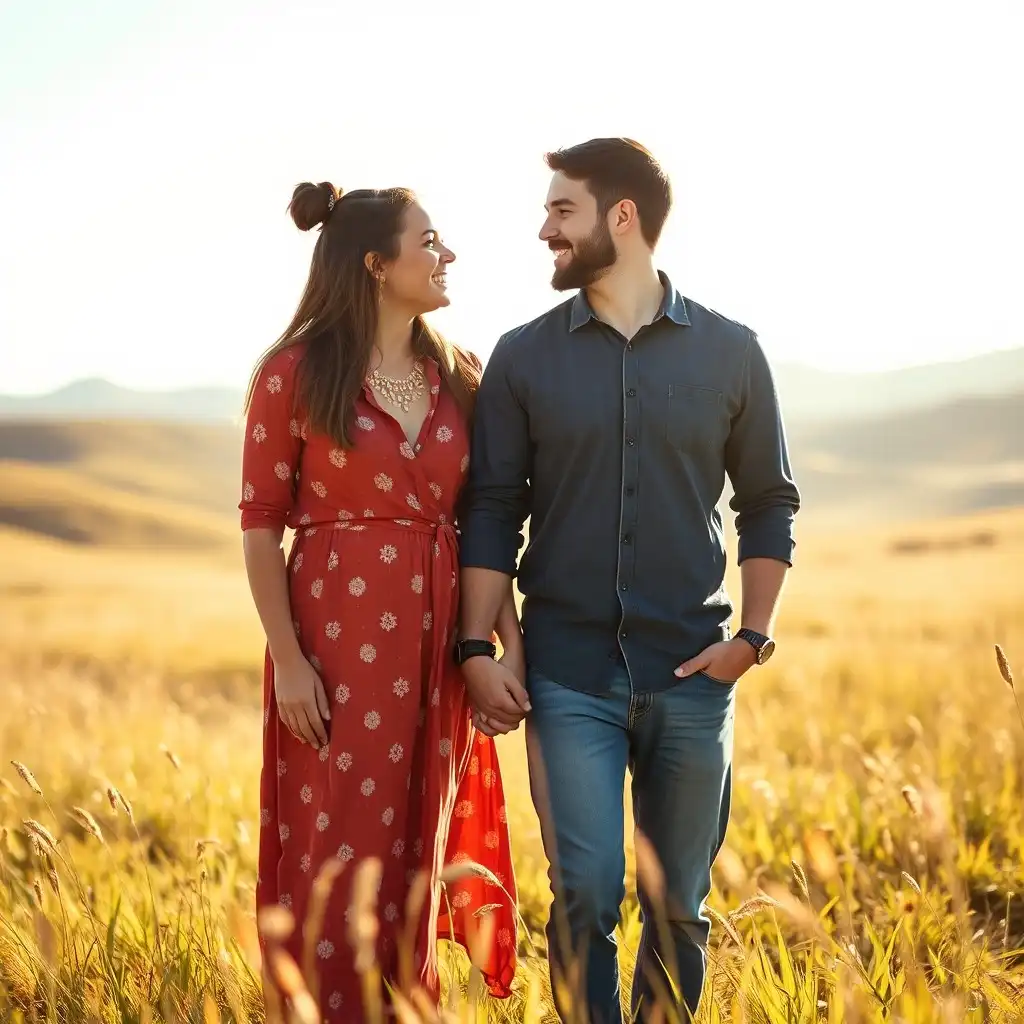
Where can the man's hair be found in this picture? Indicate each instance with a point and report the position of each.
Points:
(617, 169)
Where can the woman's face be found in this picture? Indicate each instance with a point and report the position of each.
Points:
(416, 278)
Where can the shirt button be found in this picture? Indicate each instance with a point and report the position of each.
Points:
(626, 538)
(623, 586)
(623, 635)
(630, 491)
(630, 441)
(631, 393)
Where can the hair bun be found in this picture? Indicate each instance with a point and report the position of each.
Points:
(312, 204)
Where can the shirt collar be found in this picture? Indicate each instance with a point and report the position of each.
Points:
(673, 305)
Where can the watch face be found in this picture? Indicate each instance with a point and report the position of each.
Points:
(767, 650)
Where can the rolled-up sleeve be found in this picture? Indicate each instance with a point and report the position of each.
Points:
(272, 447)
(496, 499)
(765, 497)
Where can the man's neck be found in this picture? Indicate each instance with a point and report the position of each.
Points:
(628, 296)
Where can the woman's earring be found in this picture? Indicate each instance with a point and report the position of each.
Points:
(380, 287)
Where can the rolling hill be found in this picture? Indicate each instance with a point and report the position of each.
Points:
(174, 485)
(121, 483)
(98, 398)
(961, 456)
(809, 395)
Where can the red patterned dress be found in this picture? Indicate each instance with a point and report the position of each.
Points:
(373, 579)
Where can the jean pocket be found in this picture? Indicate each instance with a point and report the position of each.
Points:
(722, 684)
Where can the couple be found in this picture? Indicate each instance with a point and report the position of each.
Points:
(407, 474)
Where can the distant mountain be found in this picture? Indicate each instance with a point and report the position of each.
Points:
(808, 395)
(176, 484)
(95, 398)
(960, 456)
(817, 395)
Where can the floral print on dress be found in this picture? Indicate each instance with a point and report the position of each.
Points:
(374, 605)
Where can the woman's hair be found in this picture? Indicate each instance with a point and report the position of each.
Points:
(337, 316)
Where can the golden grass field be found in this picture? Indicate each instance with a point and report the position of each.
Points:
(875, 861)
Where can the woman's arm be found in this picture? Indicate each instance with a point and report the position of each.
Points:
(270, 461)
(268, 581)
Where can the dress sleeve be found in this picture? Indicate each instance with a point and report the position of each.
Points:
(272, 447)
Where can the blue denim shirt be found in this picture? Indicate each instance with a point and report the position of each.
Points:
(617, 451)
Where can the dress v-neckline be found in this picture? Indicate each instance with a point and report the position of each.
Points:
(433, 378)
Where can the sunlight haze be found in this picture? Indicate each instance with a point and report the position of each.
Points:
(846, 182)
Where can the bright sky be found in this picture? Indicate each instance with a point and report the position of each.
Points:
(847, 176)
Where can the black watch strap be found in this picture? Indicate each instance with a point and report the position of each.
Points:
(763, 646)
(466, 649)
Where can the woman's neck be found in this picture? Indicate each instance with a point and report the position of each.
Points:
(393, 341)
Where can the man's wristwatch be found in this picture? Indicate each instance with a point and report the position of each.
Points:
(764, 647)
(466, 649)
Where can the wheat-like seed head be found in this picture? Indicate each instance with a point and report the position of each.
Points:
(38, 890)
(275, 923)
(416, 897)
(42, 834)
(754, 905)
(88, 822)
(453, 873)
(286, 973)
(363, 925)
(118, 803)
(171, 756)
(487, 908)
(801, 879)
(821, 856)
(726, 925)
(1004, 666)
(316, 914)
(28, 778)
(913, 799)
(912, 882)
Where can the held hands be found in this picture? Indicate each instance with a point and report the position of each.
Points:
(301, 701)
(496, 692)
(724, 662)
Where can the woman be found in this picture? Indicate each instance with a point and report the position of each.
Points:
(357, 440)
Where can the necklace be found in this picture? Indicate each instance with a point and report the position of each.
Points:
(399, 391)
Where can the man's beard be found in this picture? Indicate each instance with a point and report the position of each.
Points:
(590, 259)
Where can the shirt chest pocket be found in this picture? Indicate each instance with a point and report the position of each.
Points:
(695, 417)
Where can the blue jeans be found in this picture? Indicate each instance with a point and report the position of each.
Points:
(677, 745)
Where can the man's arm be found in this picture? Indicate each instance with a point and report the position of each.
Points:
(509, 631)
(765, 498)
(762, 581)
(766, 501)
(497, 496)
(494, 510)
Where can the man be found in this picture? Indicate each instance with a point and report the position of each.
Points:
(612, 422)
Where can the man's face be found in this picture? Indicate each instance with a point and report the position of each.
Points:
(577, 234)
